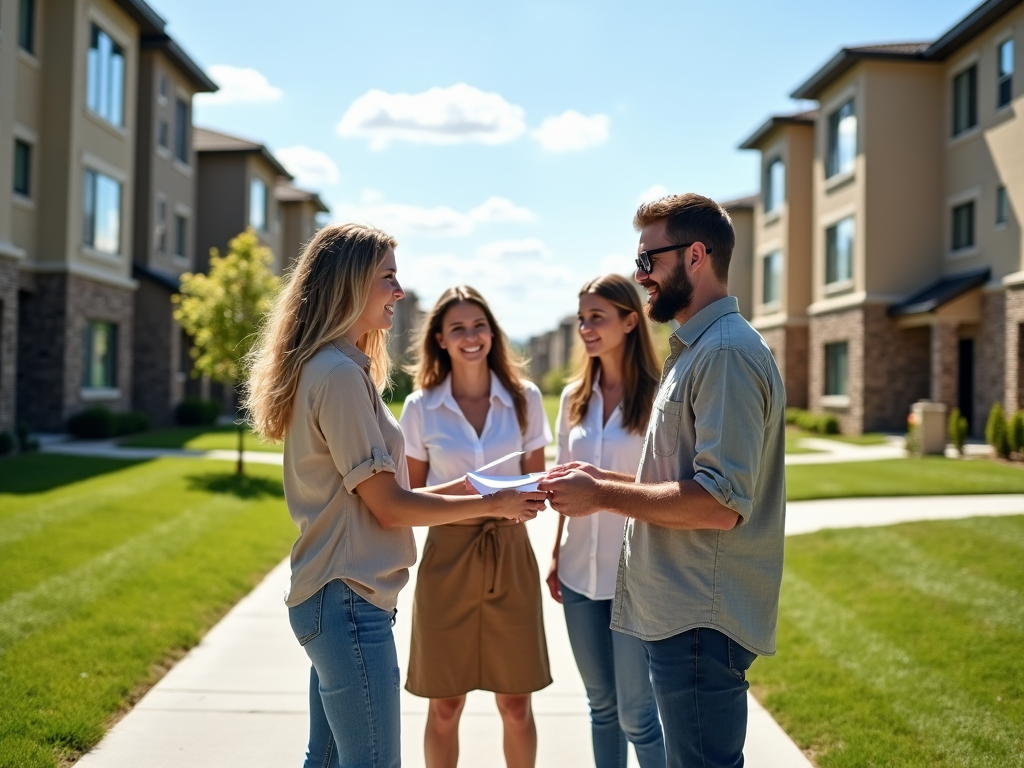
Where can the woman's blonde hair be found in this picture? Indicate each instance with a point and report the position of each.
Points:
(640, 373)
(432, 364)
(323, 297)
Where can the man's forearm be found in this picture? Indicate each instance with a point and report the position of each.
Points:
(682, 505)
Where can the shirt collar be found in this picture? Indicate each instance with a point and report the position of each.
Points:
(694, 328)
(442, 394)
(352, 352)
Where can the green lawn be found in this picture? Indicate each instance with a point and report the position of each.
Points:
(110, 570)
(900, 646)
(207, 438)
(928, 476)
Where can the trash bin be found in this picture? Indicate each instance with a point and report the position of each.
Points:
(930, 420)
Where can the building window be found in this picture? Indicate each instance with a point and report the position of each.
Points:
(162, 139)
(1004, 84)
(258, 205)
(105, 81)
(100, 369)
(839, 251)
(836, 362)
(965, 100)
(772, 275)
(774, 185)
(161, 226)
(163, 89)
(180, 232)
(842, 140)
(963, 226)
(102, 212)
(27, 25)
(181, 130)
(1002, 206)
(22, 168)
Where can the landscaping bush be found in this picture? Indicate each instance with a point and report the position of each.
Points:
(553, 382)
(401, 387)
(996, 431)
(26, 443)
(130, 422)
(96, 423)
(194, 412)
(6, 443)
(957, 429)
(1015, 432)
(819, 423)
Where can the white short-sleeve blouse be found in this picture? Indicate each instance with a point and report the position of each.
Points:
(588, 560)
(436, 431)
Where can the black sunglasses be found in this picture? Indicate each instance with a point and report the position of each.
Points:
(644, 261)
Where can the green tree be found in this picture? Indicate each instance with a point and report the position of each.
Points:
(221, 311)
(996, 431)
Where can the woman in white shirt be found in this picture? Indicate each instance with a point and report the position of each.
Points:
(477, 622)
(602, 418)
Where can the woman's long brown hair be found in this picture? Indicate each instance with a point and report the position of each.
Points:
(433, 364)
(640, 373)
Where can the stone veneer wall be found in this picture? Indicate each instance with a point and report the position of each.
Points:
(157, 354)
(788, 345)
(8, 342)
(1014, 349)
(848, 326)
(990, 354)
(52, 320)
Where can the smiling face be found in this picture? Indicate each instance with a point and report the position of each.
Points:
(669, 288)
(602, 327)
(465, 334)
(379, 312)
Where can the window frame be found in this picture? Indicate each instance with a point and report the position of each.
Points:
(100, 91)
(957, 243)
(834, 385)
(253, 182)
(108, 372)
(160, 214)
(832, 251)
(27, 26)
(180, 236)
(91, 215)
(22, 166)
(771, 262)
(1004, 78)
(1002, 205)
(773, 197)
(163, 135)
(181, 130)
(834, 165)
(968, 75)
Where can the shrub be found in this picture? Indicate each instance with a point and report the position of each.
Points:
(957, 430)
(6, 443)
(95, 423)
(194, 412)
(401, 387)
(996, 432)
(26, 443)
(553, 382)
(130, 422)
(1015, 432)
(819, 423)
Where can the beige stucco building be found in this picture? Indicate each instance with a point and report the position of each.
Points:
(887, 227)
(302, 214)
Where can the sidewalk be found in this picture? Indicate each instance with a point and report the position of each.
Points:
(239, 698)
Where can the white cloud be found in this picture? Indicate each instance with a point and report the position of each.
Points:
(310, 167)
(441, 221)
(453, 115)
(617, 263)
(239, 85)
(572, 132)
(652, 193)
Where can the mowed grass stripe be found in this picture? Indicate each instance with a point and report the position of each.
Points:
(960, 729)
(985, 600)
(60, 596)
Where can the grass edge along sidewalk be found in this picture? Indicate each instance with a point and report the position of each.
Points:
(111, 571)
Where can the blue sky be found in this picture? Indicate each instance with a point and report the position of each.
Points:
(507, 145)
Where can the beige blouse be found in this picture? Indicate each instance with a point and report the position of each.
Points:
(341, 433)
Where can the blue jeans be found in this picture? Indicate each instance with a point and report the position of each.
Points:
(354, 715)
(614, 671)
(700, 680)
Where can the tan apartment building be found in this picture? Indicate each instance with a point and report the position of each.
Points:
(302, 214)
(916, 287)
(237, 179)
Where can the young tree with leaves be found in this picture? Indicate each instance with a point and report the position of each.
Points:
(222, 309)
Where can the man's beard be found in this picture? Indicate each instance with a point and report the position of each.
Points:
(674, 295)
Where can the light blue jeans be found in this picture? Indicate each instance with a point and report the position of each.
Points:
(615, 673)
(354, 715)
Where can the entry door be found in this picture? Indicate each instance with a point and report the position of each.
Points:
(965, 398)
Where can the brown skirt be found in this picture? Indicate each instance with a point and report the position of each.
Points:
(476, 616)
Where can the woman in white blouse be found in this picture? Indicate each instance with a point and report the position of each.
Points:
(477, 622)
(602, 418)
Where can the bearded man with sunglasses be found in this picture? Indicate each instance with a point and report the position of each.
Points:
(701, 562)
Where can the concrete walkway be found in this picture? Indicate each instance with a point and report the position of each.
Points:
(239, 698)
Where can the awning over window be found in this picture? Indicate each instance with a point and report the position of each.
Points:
(940, 292)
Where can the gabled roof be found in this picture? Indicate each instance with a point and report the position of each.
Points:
(843, 61)
(740, 203)
(972, 25)
(942, 291)
(205, 140)
(800, 118)
(287, 193)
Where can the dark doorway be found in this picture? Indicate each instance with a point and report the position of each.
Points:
(965, 381)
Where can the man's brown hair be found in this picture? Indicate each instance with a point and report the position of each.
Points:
(693, 218)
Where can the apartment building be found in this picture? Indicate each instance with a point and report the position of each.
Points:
(887, 225)
(302, 214)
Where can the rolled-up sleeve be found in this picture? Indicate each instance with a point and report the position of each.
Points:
(344, 408)
(538, 431)
(730, 395)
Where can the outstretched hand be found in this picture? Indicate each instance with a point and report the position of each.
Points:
(572, 490)
(513, 505)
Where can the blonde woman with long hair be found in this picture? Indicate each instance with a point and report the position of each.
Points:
(316, 375)
(601, 420)
(477, 622)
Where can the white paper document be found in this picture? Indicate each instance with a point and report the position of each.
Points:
(485, 485)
